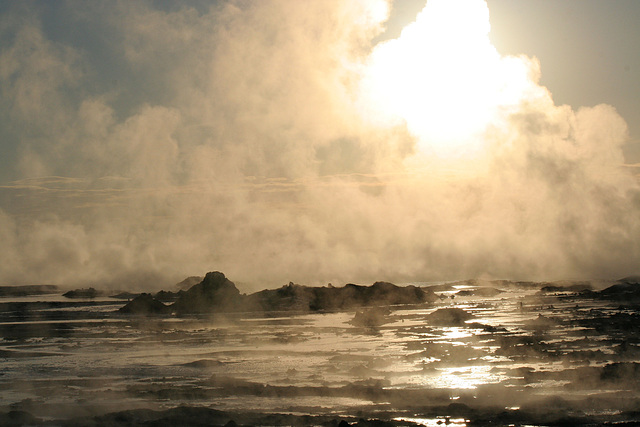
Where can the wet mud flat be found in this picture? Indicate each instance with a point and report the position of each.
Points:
(495, 353)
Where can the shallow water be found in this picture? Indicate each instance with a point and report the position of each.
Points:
(69, 358)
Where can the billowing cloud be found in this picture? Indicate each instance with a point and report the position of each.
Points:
(237, 137)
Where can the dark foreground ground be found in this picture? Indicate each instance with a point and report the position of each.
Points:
(199, 416)
(481, 353)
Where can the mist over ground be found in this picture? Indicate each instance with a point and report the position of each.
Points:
(161, 141)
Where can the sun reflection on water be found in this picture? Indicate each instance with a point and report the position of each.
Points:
(468, 377)
(435, 422)
(456, 378)
(454, 333)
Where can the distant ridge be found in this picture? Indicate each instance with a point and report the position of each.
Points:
(189, 282)
(145, 304)
(630, 279)
(217, 294)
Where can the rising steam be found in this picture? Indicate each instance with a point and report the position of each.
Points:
(243, 138)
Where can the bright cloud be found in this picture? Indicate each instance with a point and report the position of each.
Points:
(233, 138)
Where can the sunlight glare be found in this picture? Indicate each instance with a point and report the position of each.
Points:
(443, 77)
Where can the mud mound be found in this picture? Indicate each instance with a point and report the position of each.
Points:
(449, 317)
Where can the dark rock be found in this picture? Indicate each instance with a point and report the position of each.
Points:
(372, 317)
(144, 304)
(459, 409)
(82, 293)
(623, 290)
(542, 323)
(291, 297)
(305, 298)
(630, 279)
(620, 371)
(18, 418)
(215, 293)
(617, 323)
(449, 317)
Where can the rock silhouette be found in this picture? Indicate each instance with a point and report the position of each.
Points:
(82, 293)
(449, 317)
(217, 294)
(627, 289)
(371, 317)
(308, 298)
(144, 304)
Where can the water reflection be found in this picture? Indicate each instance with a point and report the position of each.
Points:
(323, 364)
(436, 422)
(451, 334)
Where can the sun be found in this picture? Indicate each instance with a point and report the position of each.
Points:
(443, 77)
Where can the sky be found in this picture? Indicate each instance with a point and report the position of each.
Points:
(315, 142)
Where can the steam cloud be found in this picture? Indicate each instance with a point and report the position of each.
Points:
(173, 141)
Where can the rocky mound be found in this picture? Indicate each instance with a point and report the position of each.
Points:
(305, 298)
(449, 317)
(371, 317)
(623, 290)
(626, 290)
(82, 293)
(144, 304)
(215, 293)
